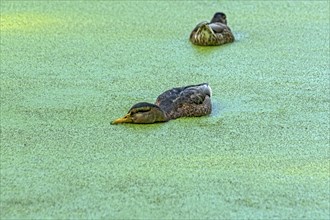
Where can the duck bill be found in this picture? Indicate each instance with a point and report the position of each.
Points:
(125, 119)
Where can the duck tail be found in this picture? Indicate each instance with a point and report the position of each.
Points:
(206, 89)
(203, 88)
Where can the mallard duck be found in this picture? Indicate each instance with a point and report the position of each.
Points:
(213, 33)
(188, 101)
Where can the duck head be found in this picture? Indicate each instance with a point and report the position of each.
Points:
(143, 113)
(219, 17)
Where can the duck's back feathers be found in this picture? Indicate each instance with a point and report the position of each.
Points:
(186, 101)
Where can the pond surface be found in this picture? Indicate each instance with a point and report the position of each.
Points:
(69, 68)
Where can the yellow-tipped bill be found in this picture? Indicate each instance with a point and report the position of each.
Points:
(125, 119)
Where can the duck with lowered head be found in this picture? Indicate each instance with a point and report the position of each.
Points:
(188, 101)
(213, 33)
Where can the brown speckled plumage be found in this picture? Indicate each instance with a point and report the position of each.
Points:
(188, 101)
(213, 33)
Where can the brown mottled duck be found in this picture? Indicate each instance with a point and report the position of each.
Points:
(188, 101)
(213, 33)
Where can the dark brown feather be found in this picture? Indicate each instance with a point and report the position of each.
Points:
(186, 101)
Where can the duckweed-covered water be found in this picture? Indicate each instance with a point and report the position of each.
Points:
(69, 68)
